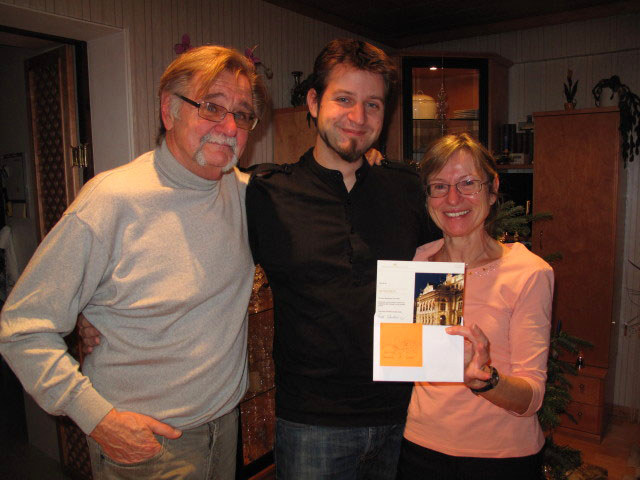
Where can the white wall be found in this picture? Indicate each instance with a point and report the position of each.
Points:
(594, 50)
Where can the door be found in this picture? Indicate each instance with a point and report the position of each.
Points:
(54, 132)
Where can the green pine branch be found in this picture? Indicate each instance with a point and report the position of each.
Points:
(559, 460)
(511, 219)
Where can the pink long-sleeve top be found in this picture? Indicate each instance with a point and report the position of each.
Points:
(510, 300)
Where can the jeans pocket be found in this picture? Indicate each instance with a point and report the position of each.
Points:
(147, 461)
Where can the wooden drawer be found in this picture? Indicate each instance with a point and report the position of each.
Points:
(586, 389)
(589, 417)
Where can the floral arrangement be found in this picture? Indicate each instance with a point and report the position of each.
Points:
(184, 45)
(250, 54)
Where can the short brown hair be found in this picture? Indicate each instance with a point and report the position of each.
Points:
(355, 53)
(208, 62)
(443, 149)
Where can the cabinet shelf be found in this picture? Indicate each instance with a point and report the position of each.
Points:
(513, 168)
(435, 120)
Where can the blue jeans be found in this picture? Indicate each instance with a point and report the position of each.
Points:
(204, 452)
(314, 452)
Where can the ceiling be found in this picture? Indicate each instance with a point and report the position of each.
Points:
(407, 23)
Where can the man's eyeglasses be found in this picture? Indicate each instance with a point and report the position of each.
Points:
(216, 113)
(465, 187)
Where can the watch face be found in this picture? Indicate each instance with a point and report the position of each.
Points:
(495, 378)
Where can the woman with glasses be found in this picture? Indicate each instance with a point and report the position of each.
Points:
(486, 427)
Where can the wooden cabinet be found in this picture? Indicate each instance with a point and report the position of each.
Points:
(587, 407)
(293, 134)
(257, 408)
(476, 89)
(578, 178)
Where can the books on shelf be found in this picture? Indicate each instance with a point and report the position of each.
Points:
(467, 114)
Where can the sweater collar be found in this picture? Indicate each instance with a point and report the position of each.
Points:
(178, 174)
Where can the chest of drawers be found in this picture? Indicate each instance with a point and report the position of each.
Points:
(587, 406)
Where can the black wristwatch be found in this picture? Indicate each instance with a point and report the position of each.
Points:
(491, 383)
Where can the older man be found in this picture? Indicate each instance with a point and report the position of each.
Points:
(156, 255)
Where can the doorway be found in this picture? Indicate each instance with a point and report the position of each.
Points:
(19, 199)
(111, 121)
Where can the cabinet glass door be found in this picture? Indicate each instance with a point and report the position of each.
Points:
(442, 96)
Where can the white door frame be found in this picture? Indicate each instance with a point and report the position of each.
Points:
(109, 78)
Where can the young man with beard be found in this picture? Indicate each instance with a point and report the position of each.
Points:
(155, 253)
(318, 227)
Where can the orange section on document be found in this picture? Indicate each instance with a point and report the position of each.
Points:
(400, 345)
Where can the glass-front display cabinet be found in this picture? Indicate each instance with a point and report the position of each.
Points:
(442, 94)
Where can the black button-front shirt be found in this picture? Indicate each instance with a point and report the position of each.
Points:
(319, 245)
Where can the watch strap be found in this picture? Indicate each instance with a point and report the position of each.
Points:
(491, 383)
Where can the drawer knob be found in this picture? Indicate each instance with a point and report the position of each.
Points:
(582, 388)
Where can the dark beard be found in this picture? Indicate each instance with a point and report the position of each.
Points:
(350, 154)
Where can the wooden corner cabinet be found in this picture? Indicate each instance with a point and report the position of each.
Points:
(476, 101)
(293, 134)
(578, 178)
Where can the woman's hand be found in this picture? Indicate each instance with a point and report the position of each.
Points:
(89, 335)
(476, 355)
(374, 157)
(511, 393)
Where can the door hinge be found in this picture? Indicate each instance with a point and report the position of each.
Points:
(80, 155)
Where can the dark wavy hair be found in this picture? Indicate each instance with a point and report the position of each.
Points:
(358, 54)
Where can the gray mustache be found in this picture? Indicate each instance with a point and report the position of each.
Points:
(221, 139)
